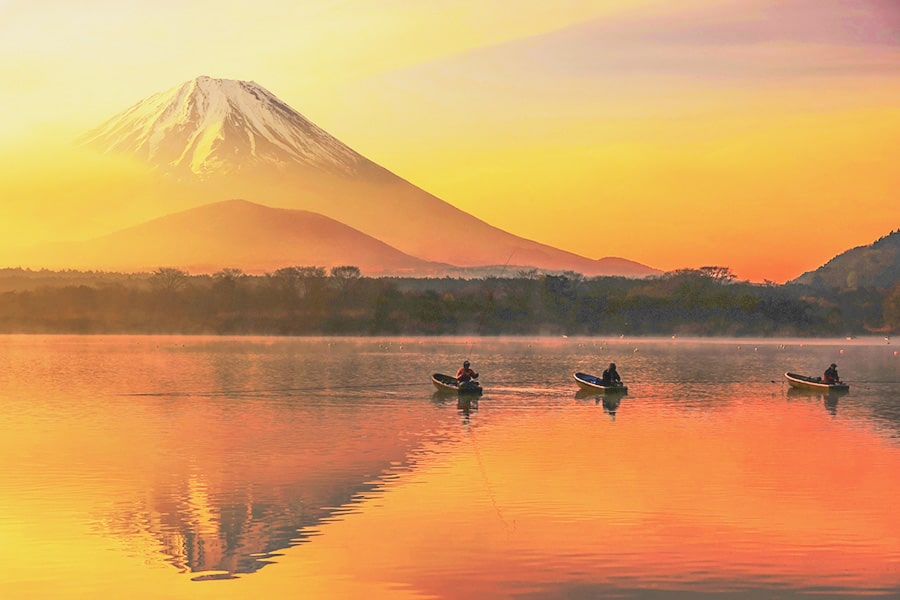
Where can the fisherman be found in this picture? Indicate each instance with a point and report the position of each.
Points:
(465, 373)
(611, 376)
(831, 375)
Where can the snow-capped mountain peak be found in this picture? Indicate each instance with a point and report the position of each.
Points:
(210, 126)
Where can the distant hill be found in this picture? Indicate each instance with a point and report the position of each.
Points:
(876, 265)
(232, 234)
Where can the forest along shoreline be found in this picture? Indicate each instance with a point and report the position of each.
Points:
(305, 300)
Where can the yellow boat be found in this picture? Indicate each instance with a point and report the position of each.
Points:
(803, 382)
(448, 383)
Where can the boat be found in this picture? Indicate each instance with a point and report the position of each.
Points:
(448, 383)
(595, 384)
(803, 382)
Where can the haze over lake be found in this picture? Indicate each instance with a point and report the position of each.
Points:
(207, 467)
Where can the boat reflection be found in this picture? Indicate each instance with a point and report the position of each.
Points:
(466, 404)
(611, 404)
(586, 394)
(609, 401)
(582, 394)
(829, 398)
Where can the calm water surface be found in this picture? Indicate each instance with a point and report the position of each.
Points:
(190, 467)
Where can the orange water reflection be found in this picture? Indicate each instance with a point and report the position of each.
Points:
(352, 493)
(785, 503)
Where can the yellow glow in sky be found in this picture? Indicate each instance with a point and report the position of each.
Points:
(711, 132)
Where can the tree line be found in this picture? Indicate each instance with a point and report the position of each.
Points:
(310, 300)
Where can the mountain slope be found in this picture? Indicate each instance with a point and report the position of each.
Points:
(225, 139)
(214, 126)
(876, 265)
(233, 233)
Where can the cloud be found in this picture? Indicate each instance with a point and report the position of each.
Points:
(716, 42)
(732, 40)
(733, 23)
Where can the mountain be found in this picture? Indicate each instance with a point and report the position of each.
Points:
(208, 127)
(210, 139)
(876, 265)
(234, 233)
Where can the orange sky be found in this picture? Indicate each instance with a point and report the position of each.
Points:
(712, 132)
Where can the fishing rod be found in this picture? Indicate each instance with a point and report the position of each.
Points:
(489, 488)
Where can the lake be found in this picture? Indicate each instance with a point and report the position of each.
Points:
(204, 467)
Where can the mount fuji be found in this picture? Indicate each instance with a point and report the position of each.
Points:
(211, 140)
(207, 127)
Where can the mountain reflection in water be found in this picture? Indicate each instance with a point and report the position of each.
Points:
(261, 482)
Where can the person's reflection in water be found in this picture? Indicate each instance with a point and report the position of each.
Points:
(465, 405)
(831, 403)
(611, 405)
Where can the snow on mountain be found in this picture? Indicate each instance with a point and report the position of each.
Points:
(216, 126)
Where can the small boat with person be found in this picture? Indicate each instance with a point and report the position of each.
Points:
(448, 383)
(804, 382)
(592, 383)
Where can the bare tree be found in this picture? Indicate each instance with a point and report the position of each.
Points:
(229, 274)
(169, 279)
(718, 274)
(345, 276)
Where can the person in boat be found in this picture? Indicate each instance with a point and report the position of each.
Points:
(466, 373)
(831, 375)
(610, 376)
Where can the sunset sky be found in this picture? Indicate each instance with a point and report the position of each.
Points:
(756, 134)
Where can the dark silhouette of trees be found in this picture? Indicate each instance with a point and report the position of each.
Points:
(891, 309)
(312, 281)
(286, 284)
(344, 277)
(169, 280)
(303, 300)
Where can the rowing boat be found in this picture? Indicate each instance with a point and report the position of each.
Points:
(803, 382)
(448, 383)
(595, 384)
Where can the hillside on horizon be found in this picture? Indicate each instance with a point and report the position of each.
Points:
(876, 265)
(233, 234)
